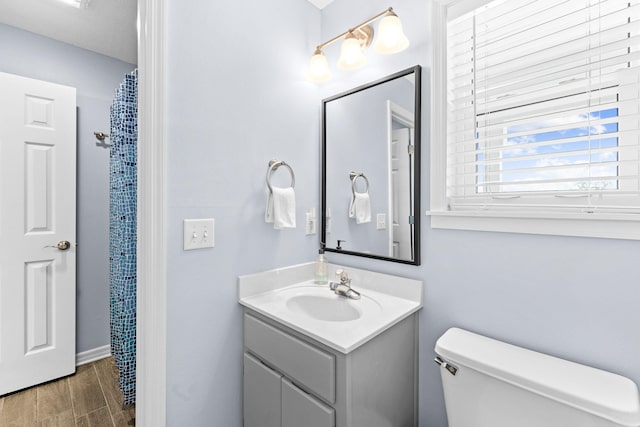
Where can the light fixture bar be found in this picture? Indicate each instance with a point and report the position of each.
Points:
(390, 39)
(350, 30)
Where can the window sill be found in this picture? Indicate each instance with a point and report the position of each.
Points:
(612, 226)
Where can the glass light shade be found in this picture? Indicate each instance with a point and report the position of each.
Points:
(80, 4)
(319, 68)
(351, 56)
(391, 38)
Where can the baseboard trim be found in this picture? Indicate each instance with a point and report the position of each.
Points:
(93, 355)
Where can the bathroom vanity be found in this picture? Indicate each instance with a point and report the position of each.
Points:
(316, 359)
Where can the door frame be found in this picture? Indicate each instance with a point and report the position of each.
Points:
(401, 115)
(151, 329)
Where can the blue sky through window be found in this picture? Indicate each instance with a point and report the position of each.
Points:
(535, 159)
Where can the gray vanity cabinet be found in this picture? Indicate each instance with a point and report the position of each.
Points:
(291, 380)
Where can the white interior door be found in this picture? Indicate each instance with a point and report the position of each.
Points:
(37, 210)
(401, 205)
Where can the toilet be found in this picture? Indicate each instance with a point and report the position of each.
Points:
(488, 383)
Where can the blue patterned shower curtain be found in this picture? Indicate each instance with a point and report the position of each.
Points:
(122, 232)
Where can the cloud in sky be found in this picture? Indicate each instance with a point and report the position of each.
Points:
(559, 170)
(576, 119)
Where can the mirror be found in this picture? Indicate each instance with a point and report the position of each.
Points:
(371, 169)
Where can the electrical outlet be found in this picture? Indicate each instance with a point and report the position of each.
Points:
(198, 233)
(381, 221)
(310, 223)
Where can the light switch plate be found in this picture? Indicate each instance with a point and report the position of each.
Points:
(198, 233)
(381, 221)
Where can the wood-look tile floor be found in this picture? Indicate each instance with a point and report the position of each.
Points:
(89, 398)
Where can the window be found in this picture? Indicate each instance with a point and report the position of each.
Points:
(536, 114)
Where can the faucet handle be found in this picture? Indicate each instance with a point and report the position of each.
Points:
(342, 275)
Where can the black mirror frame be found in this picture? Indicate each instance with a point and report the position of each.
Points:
(417, 70)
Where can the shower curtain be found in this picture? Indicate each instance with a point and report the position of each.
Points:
(122, 232)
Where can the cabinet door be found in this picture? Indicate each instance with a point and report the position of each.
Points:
(262, 394)
(302, 409)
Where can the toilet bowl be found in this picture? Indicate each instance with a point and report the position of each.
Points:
(488, 383)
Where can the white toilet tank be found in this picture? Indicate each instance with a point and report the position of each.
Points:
(501, 385)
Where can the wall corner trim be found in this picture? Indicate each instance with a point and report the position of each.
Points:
(151, 386)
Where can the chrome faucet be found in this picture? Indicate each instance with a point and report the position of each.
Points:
(344, 287)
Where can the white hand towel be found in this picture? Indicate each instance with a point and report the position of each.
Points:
(281, 208)
(360, 208)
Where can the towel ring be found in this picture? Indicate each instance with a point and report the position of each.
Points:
(354, 177)
(273, 166)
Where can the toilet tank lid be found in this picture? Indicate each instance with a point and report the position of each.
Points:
(592, 390)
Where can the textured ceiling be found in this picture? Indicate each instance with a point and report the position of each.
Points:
(106, 26)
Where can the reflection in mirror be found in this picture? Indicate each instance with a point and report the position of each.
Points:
(371, 169)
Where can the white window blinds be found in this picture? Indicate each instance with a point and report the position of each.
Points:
(543, 103)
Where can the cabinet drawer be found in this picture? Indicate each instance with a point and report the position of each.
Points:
(305, 364)
(301, 409)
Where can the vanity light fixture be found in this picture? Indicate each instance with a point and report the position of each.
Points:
(356, 40)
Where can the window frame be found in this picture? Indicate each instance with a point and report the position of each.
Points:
(549, 221)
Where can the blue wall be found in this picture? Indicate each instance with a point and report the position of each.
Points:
(95, 77)
(237, 98)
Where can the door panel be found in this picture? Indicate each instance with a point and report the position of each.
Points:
(38, 191)
(37, 210)
(38, 307)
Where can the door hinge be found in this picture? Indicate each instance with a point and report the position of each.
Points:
(410, 149)
(411, 219)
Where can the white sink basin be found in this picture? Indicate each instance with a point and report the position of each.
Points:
(314, 310)
(328, 307)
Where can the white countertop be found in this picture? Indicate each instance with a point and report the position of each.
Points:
(385, 301)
